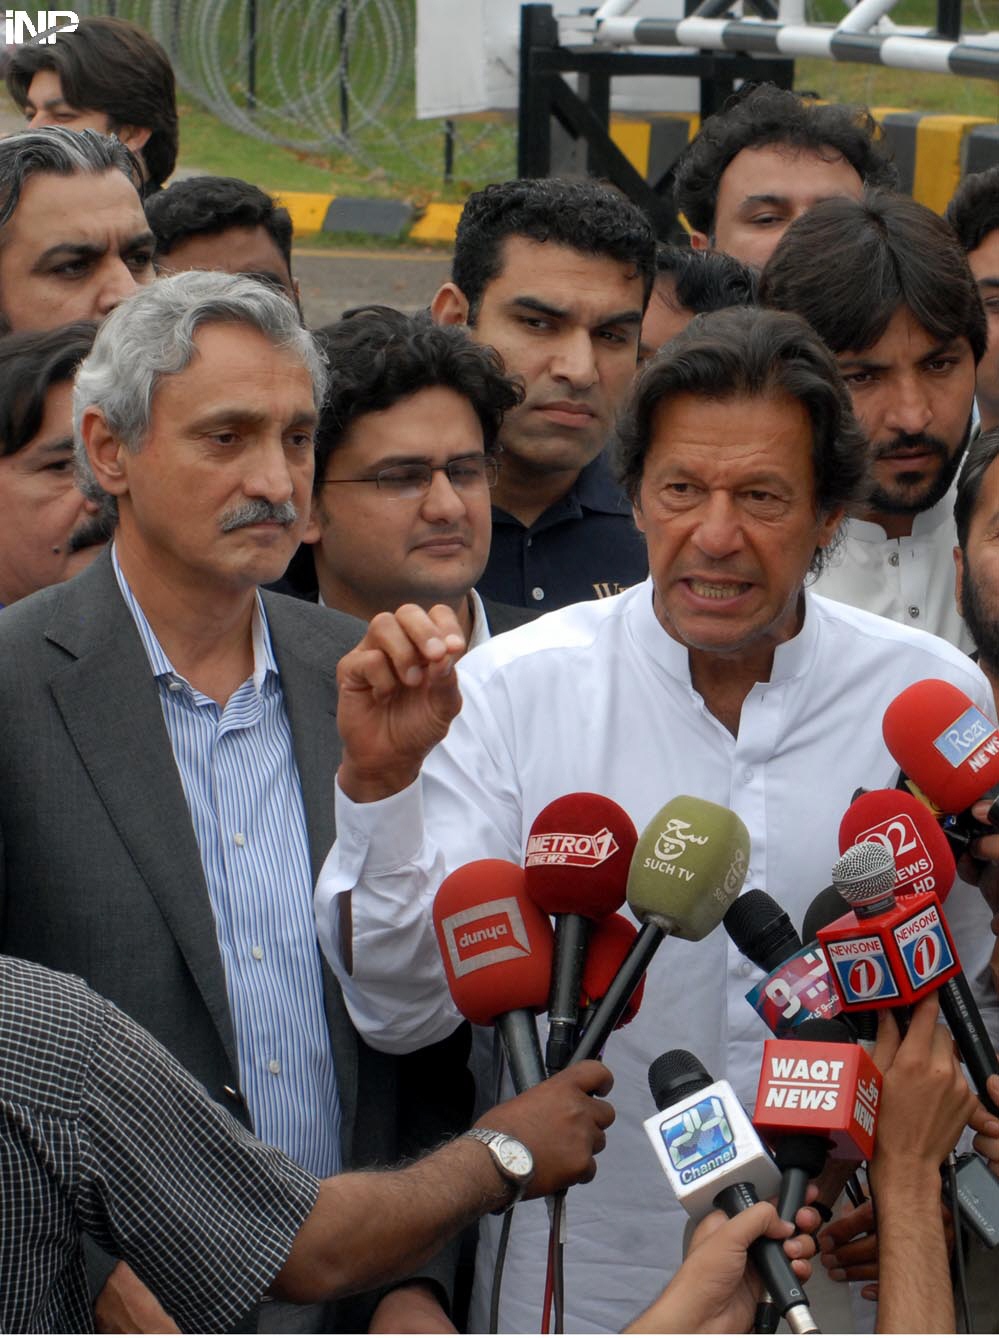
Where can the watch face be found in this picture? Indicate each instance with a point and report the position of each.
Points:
(515, 1157)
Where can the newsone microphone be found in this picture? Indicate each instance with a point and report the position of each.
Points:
(885, 953)
(713, 1158)
(827, 906)
(496, 946)
(578, 852)
(818, 1097)
(688, 867)
(797, 986)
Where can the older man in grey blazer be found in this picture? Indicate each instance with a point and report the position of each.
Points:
(169, 746)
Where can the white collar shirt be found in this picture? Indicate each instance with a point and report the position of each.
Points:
(598, 697)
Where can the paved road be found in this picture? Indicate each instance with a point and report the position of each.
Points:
(332, 281)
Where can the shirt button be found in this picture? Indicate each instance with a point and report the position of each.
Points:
(257, 952)
(747, 776)
(537, 593)
(239, 839)
(274, 1066)
(745, 969)
(893, 559)
(174, 685)
(530, 543)
(913, 611)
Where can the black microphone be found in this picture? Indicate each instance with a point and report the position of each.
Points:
(761, 929)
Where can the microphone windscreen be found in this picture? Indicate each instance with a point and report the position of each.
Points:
(761, 929)
(578, 853)
(610, 942)
(943, 742)
(908, 830)
(689, 866)
(831, 1030)
(495, 943)
(676, 1075)
(828, 906)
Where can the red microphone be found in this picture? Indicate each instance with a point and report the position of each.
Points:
(497, 951)
(610, 942)
(944, 743)
(884, 953)
(578, 855)
(911, 835)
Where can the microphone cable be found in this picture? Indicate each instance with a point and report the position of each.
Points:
(555, 1276)
(494, 1293)
(959, 1273)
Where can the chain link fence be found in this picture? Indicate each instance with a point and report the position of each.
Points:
(327, 78)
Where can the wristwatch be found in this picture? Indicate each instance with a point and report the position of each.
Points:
(513, 1161)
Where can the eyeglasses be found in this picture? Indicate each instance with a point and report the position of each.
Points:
(466, 473)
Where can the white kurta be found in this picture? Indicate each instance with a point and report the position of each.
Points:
(598, 697)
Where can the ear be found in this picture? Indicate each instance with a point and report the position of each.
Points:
(959, 579)
(134, 137)
(828, 525)
(105, 452)
(700, 241)
(636, 511)
(450, 306)
(313, 531)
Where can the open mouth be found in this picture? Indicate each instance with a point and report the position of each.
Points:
(717, 589)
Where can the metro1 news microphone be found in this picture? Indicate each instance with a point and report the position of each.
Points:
(713, 1158)
(576, 864)
(885, 953)
(497, 950)
(688, 867)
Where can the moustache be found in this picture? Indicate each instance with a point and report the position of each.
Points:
(258, 513)
(905, 443)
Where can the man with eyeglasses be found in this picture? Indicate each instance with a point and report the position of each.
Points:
(406, 457)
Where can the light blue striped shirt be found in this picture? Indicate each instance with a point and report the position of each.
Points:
(237, 766)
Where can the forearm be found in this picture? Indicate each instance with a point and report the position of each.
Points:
(369, 1228)
(914, 1293)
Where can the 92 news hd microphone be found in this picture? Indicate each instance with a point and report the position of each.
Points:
(497, 952)
(910, 833)
(687, 869)
(713, 1157)
(577, 859)
(818, 1097)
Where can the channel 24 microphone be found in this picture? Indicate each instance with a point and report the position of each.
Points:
(797, 986)
(713, 1158)
(908, 831)
(577, 859)
(887, 952)
(497, 951)
(949, 750)
(610, 942)
(818, 1098)
(688, 867)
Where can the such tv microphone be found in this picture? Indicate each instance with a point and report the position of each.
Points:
(497, 948)
(713, 1158)
(688, 867)
(576, 866)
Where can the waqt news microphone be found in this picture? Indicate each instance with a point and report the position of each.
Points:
(497, 950)
(797, 985)
(688, 867)
(818, 1098)
(713, 1158)
(949, 750)
(578, 853)
(611, 939)
(885, 953)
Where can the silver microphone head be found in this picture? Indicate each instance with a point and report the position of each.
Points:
(865, 877)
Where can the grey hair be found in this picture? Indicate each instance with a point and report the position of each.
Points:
(151, 335)
(62, 152)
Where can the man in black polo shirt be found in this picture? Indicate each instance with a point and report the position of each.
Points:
(555, 275)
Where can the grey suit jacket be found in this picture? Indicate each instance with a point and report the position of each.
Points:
(100, 873)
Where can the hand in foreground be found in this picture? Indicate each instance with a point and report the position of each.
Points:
(398, 693)
(126, 1305)
(716, 1289)
(411, 1308)
(986, 1129)
(562, 1123)
(980, 865)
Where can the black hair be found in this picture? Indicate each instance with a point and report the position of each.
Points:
(379, 356)
(847, 266)
(749, 352)
(762, 114)
(112, 66)
(31, 363)
(974, 211)
(200, 205)
(586, 216)
(706, 280)
(981, 453)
